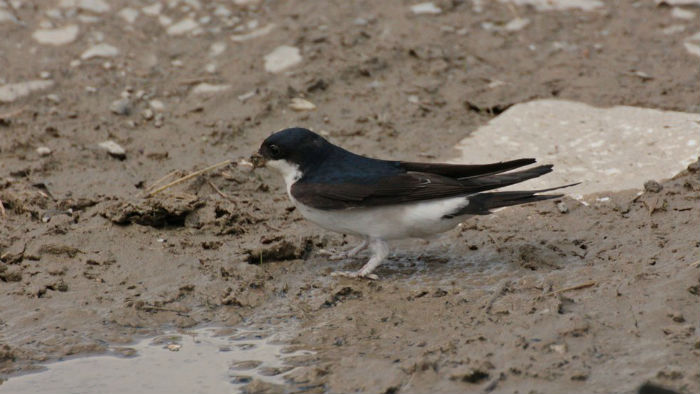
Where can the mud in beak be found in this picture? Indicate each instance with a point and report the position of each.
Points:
(258, 160)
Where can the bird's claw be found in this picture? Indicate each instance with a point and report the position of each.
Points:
(354, 275)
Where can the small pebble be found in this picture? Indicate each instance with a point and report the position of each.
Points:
(182, 27)
(300, 104)
(156, 105)
(43, 151)
(562, 207)
(121, 106)
(425, 8)
(61, 36)
(100, 50)
(147, 114)
(207, 88)
(652, 186)
(114, 149)
(217, 49)
(248, 95)
(159, 119)
(54, 98)
(282, 58)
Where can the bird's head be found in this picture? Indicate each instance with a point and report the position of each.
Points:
(296, 147)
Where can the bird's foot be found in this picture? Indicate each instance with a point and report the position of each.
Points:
(354, 275)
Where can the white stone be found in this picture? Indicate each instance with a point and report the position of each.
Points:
(554, 5)
(156, 105)
(217, 49)
(14, 91)
(210, 68)
(282, 58)
(153, 9)
(100, 50)
(254, 34)
(129, 14)
(184, 26)
(425, 8)
(43, 151)
(607, 149)
(692, 44)
(247, 95)
(516, 24)
(60, 36)
(113, 148)
(54, 98)
(300, 104)
(207, 88)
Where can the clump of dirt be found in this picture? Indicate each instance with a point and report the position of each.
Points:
(172, 210)
(279, 251)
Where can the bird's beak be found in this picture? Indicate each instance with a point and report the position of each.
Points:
(258, 160)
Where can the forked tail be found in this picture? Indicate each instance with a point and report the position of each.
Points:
(483, 203)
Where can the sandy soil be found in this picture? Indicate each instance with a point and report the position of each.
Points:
(598, 299)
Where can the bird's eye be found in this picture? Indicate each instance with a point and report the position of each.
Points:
(274, 149)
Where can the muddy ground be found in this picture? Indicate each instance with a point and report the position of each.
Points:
(598, 299)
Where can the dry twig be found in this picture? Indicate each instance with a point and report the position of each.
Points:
(186, 177)
(576, 287)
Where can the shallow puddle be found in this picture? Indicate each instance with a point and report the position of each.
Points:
(199, 361)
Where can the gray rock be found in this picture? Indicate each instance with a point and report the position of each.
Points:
(652, 186)
(147, 114)
(100, 50)
(114, 149)
(43, 151)
(121, 106)
(60, 36)
(562, 207)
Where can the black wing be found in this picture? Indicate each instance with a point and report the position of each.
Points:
(404, 187)
(461, 171)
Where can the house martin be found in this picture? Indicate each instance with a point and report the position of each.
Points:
(380, 200)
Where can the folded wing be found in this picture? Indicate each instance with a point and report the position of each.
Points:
(434, 182)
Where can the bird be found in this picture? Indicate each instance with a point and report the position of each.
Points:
(381, 200)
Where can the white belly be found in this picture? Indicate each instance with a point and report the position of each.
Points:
(416, 220)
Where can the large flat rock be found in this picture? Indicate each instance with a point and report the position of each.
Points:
(606, 149)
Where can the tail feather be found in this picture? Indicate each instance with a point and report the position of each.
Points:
(489, 182)
(483, 203)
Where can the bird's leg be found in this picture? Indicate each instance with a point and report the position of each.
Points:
(352, 252)
(379, 252)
